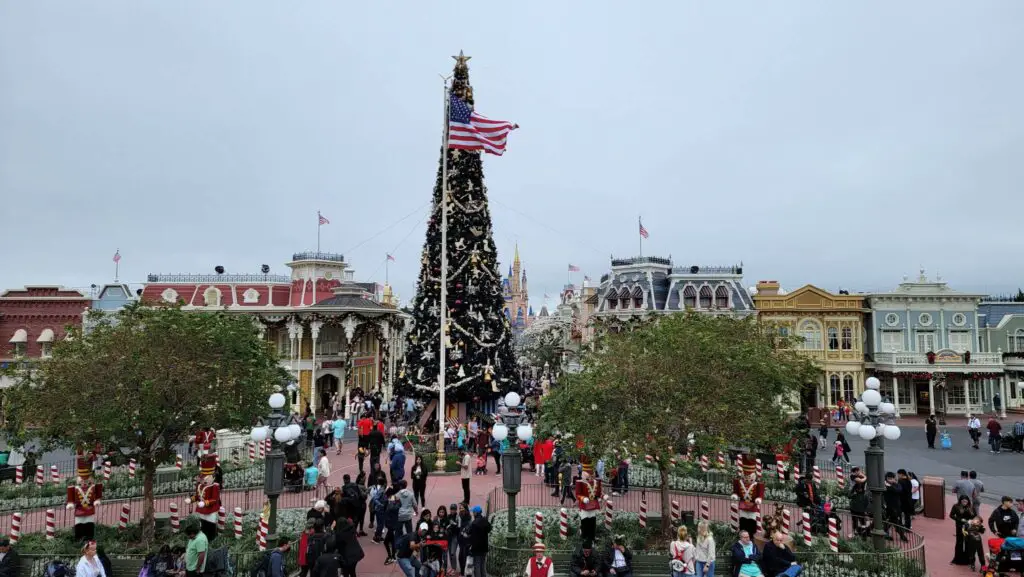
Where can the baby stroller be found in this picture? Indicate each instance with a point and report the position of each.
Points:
(820, 515)
(1005, 556)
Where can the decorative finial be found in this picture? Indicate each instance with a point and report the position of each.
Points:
(461, 59)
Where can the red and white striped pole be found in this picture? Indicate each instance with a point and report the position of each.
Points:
(222, 519)
(54, 474)
(807, 528)
(642, 517)
(131, 468)
(704, 463)
(739, 463)
(252, 453)
(266, 446)
(261, 534)
(787, 521)
(51, 524)
(19, 474)
(796, 471)
(780, 470)
(734, 515)
(40, 478)
(817, 475)
(649, 459)
(676, 513)
(179, 463)
(238, 522)
(609, 508)
(757, 517)
(15, 527)
(841, 476)
(175, 519)
(126, 511)
(721, 460)
(759, 469)
(833, 535)
(563, 524)
(216, 458)
(107, 469)
(538, 527)
(705, 510)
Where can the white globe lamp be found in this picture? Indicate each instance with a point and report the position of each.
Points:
(853, 428)
(512, 399)
(860, 407)
(524, 432)
(282, 434)
(871, 398)
(892, 433)
(259, 434)
(867, 432)
(873, 383)
(500, 432)
(276, 401)
(294, 431)
(887, 408)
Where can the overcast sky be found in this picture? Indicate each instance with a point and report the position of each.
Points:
(839, 144)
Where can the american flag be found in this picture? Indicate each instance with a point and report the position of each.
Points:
(468, 130)
(643, 231)
(117, 256)
(574, 268)
(586, 278)
(391, 258)
(323, 219)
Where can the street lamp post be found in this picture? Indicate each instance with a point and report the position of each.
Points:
(278, 427)
(512, 427)
(867, 423)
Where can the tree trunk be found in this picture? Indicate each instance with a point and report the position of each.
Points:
(148, 521)
(666, 514)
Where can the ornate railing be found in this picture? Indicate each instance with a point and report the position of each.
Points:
(642, 260)
(913, 359)
(700, 269)
(315, 255)
(217, 278)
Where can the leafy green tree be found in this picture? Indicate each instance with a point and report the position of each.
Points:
(645, 391)
(139, 381)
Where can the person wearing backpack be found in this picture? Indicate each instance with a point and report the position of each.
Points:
(349, 497)
(378, 503)
(328, 564)
(391, 523)
(348, 547)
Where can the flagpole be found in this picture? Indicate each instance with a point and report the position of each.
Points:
(386, 261)
(117, 264)
(317, 255)
(640, 225)
(443, 352)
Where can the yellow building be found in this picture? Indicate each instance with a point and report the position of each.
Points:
(832, 329)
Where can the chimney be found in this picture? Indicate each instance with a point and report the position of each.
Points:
(767, 288)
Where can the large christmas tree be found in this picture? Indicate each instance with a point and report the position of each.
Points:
(480, 361)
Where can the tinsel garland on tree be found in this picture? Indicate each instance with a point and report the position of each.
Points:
(480, 360)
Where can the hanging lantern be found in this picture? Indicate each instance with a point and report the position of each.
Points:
(462, 372)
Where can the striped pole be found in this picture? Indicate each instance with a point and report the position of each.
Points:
(817, 475)
(841, 476)
(19, 474)
(760, 527)
(807, 528)
(796, 471)
(643, 512)
(704, 463)
(538, 527)
(563, 524)
(131, 468)
(51, 524)
(238, 522)
(705, 510)
(734, 515)
(833, 535)
(721, 460)
(739, 463)
(266, 446)
(649, 459)
(222, 517)
(759, 470)
(54, 474)
(40, 479)
(261, 534)
(786, 521)
(609, 508)
(178, 462)
(175, 519)
(216, 458)
(15, 527)
(676, 515)
(252, 453)
(126, 511)
(107, 469)
(780, 470)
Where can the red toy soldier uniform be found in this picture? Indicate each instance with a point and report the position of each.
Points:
(204, 440)
(207, 497)
(588, 499)
(749, 490)
(84, 496)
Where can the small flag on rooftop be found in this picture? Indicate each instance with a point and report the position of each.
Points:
(117, 256)
(574, 268)
(643, 231)
(323, 219)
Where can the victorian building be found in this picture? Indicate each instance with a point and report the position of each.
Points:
(650, 284)
(517, 297)
(831, 327)
(923, 345)
(1001, 331)
(332, 334)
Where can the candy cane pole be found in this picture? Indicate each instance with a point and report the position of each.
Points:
(261, 534)
(175, 519)
(704, 464)
(126, 510)
(675, 512)
(841, 476)
(19, 475)
(178, 462)
(796, 471)
(51, 524)
(563, 523)
(538, 527)
(780, 470)
(15, 527)
(252, 453)
(705, 511)
(786, 521)
(131, 468)
(238, 522)
(216, 458)
(734, 515)
(222, 518)
(54, 474)
(833, 535)
(608, 510)
(760, 528)
(807, 528)
(817, 475)
(39, 476)
(266, 446)
(107, 469)
(643, 512)
(721, 460)
(759, 469)
(739, 463)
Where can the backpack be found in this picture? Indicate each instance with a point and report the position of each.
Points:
(58, 568)
(262, 567)
(316, 544)
(350, 492)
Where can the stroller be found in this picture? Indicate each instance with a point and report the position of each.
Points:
(1006, 556)
(820, 516)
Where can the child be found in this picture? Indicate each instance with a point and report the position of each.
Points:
(481, 464)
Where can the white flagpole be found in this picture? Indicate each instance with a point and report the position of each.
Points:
(317, 255)
(640, 226)
(443, 352)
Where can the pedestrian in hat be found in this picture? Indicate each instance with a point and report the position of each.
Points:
(540, 565)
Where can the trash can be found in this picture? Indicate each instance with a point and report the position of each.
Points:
(933, 495)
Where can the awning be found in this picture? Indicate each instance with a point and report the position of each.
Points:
(20, 336)
(46, 336)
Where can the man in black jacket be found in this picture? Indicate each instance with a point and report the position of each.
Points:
(9, 561)
(479, 530)
(376, 442)
(619, 560)
(1004, 520)
(584, 562)
(906, 494)
(807, 494)
(893, 500)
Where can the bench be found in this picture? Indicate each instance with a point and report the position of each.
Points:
(31, 566)
(643, 565)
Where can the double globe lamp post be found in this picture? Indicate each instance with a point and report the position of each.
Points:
(867, 423)
(280, 428)
(513, 426)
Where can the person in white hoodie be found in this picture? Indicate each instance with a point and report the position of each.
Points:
(324, 466)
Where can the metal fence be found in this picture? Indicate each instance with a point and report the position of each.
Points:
(125, 564)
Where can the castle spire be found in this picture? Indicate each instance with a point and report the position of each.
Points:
(516, 259)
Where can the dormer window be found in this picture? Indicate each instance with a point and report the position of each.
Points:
(689, 297)
(638, 298)
(611, 303)
(624, 298)
(721, 298)
(705, 297)
(212, 297)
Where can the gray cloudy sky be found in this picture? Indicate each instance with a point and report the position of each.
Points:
(840, 144)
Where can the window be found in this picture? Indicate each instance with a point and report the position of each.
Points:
(46, 350)
(892, 319)
(1017, 342)
(925, 341)
(624, 298)
(638, 298)
(833, 338)
(283, 344)
(892, 341)
(18, 349)
(847, 338)
(784, 331)
(848, 388)
(705, 297)
(905, 394)
(811, 333)
(721, 298)
(212, 297)
(690, 297)
(959, 319)
(611, 303)
(925, 319)
(955, 394)
(835, 393)
(960, 341)
(975, 388)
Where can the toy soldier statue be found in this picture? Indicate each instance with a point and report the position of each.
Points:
(207, 497)
(84, 496)
(588, 499)
(749, 490)
(203, 442)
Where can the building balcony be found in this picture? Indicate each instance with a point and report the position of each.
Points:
(945, 361)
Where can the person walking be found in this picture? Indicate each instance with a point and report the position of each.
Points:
(338, 432)
(906, 497)
(979, 488)
(961, 514)
(195, 552)
(419, 480)
(931, 429)
(823, 431)
(407, 508)
(479, 532)
(324, 468)
(995, 437)
(1004, 520)
(974, 430)
(1018, 436)
(465, 471)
